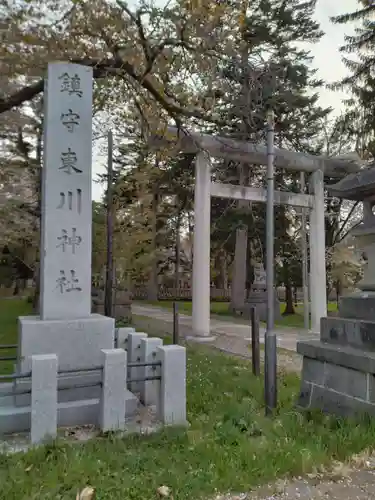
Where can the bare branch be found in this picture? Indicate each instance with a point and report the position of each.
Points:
(102, 68)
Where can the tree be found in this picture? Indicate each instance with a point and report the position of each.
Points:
(346, 267)
(20, 174)
(360, 82)
(269, 72)
(147, 53)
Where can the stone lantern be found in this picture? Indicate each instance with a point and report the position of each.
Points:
(339, 368)
(361, 187)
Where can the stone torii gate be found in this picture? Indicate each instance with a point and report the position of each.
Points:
(206, 146)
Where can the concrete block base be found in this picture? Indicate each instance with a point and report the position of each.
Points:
(71, 388)
(338, 379)
(77, 343)
(15, 419)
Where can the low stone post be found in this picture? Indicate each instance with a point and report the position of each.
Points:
(112, 405)
(121, 336)
(43, 397)
(134, 356)
(171, 406)
(149, 389)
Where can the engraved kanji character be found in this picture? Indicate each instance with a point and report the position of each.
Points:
(62, 282)
(73, 283)
(71, 84)
(69, 162)
(70, 120)
(65, 240)
(63, 198)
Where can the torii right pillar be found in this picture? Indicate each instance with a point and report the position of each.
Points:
(318, 281)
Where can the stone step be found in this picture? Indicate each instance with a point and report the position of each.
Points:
(350, 357)
(15, 417)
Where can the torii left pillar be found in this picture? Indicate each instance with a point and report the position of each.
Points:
(201, 249)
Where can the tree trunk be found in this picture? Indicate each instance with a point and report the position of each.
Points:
(338, 291)
(16, 290)
(177, 257)
(36, 296)
(110, 216)
(240, 257)
(152, 287)
(222, 278)
(289, 308)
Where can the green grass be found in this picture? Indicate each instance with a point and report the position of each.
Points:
(222, 309)
(10, 309)
(229, 445)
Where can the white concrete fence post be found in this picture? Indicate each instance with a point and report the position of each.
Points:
(134, 356)
(121, 336)
(43, 397)
(113, 400)
(150, 389)
(171, 407)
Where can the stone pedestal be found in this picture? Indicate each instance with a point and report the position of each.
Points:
(77, 343)
(338, 373)
(336, 378)
(258, 298)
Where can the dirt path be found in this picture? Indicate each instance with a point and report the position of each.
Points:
(232, 341)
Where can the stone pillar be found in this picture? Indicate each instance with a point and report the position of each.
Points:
(150, 389)
(134, 356)
(43, 398)
(201, 248)
(66, 194)
(65, 325)
(113, 400)
(121, 336)
(172, 402)
(317, 252)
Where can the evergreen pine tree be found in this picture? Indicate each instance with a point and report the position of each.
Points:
(359, 120)
(271, 71)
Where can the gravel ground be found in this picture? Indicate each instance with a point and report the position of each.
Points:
(353, 481)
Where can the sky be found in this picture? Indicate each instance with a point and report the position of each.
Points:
(327, 60)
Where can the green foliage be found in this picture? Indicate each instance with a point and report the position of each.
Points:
(358, 122)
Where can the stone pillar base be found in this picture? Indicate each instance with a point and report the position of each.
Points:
(201, 338)
(77, 343)
(259, 300)
(337, 379)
